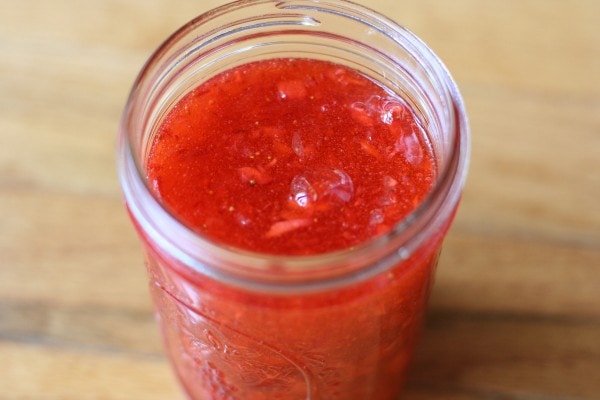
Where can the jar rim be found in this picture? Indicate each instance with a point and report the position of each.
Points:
(291, 273)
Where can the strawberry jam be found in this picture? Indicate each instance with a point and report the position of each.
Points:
(290, 157)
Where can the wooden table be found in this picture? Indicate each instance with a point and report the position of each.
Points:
(515, 313)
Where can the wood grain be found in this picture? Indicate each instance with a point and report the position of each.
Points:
(515, 312)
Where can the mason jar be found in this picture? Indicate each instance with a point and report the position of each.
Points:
(249, 326)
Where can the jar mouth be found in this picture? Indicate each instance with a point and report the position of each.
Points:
(214, 36)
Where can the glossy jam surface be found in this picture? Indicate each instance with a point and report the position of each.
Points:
(290, 156)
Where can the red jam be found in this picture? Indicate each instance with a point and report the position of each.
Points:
(293, 157)
(290, 156)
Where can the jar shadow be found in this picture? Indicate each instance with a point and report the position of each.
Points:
(464, 354)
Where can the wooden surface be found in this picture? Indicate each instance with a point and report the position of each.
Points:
(515, 312)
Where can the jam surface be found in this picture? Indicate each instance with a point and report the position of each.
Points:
(290, 156)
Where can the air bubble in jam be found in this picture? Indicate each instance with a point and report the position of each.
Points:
(338, 186)
(302, 192)
(322, 187)
(409, 145)
(386, 110)
(392, 110)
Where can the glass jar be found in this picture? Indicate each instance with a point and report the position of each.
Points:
(248, 326)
